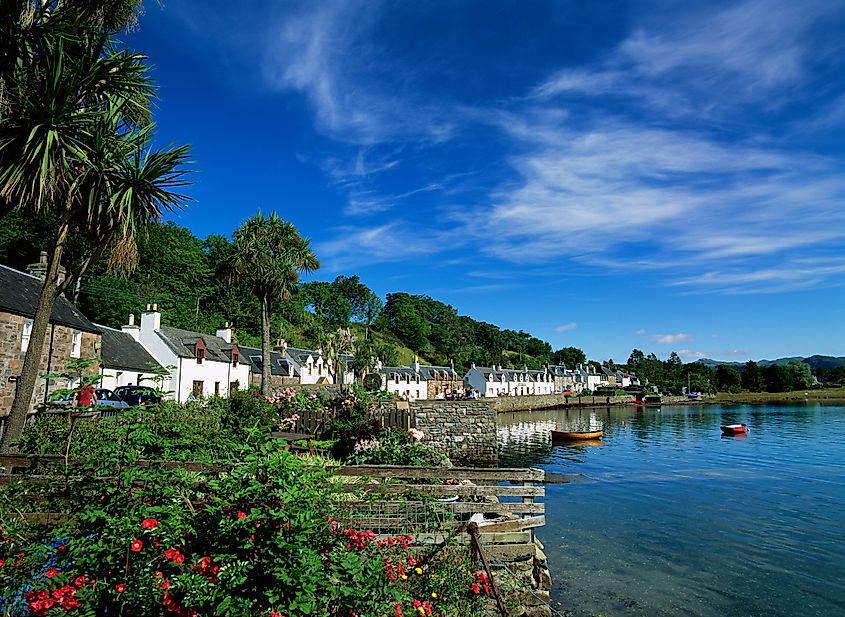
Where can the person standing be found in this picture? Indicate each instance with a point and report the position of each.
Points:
(85, 397)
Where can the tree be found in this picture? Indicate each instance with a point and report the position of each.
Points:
(728, 379)
(635, 360)
(752, 377)
(570, 357)
(778, 378)
(268, 254)
(800, 375)
(75, 145)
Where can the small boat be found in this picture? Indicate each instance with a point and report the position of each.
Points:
(734, 429)
(575, 435)
(694, 396)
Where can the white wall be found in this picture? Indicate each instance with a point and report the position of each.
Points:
(112, 378)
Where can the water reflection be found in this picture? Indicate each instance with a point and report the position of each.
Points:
(670, 518)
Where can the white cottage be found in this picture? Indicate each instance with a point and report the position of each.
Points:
(205, 364)
(498, 381)
(123, 360)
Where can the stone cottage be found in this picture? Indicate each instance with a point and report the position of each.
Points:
(70, 335)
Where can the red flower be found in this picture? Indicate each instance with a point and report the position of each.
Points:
(120, 587)
(241, 515)
(175, 556)
(475, 588)
(149, 523)
(398, 610)
(79, 581)
(136, 545)
(51, 573)
(2, 562)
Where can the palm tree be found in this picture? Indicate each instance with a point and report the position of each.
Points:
(75, 143)
(268, 254)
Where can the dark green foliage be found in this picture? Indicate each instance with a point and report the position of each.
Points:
(353, 421)
(752, 377)
(727, 379)
(570, 357)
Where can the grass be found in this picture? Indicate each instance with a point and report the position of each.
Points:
(827, 394)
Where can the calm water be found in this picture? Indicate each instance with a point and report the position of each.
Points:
(669, 518)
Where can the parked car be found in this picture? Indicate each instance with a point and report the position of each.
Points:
(107, 398)
(138, 395)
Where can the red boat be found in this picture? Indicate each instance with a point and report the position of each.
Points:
(734, 429)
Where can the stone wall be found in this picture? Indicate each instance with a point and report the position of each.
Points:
(11, 357)
(465, 431)
(545, 401)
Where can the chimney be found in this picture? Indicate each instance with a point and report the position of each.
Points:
(131, 329)
(281, 345)
(151, 319)
(39, 268)
(416, 364)
(225, 332)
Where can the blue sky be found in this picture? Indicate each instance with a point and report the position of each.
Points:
(666, 176)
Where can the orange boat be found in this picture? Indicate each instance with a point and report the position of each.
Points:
(575, 435)
(734, 429)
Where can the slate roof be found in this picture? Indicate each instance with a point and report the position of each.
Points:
(121, 351)
(393, 372)
(183, 343)
(279, 365)
(19, 293)
(301, 355)
(445, 373)
(509, 373)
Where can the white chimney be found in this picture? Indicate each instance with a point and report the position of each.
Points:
(416, 364)
(225, 332)
(151, 319)
(131, 329)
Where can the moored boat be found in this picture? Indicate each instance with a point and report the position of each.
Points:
(575, 435)
(734, 429)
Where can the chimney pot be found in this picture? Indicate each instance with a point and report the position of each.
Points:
(131, 319)
(155, 307)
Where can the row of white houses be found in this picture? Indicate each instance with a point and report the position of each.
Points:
(429, 382)
(195, 364)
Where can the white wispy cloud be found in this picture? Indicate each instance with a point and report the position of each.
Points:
(327, 52)
(392, 242)
(708, 60)
(670, 339)
(566, 327)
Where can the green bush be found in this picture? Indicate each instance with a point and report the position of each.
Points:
(396, 447)
(261, 540)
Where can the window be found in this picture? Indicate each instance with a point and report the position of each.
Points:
(216, 388)
(309, 368)
(140, 377)
(27, 332)
(197, 391)
(236, 357)
(76, 347)
(200, 353)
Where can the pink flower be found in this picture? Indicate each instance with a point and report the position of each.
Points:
(136, 545)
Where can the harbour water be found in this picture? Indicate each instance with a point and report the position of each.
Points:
(667, 517)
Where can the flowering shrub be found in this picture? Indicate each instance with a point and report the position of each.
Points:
(353, 421)
(397, 447)
(252, 415)
(263, 539)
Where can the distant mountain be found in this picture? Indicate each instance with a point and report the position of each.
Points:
(815, 362)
